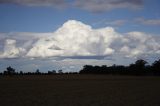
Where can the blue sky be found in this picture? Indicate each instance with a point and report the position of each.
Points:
(22, 18)
(25, 24)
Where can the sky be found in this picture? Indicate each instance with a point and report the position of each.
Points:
(67, 34)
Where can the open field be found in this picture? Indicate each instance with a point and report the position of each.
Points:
(79, 90)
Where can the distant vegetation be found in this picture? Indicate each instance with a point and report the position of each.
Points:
(11, 71)
(140, 67)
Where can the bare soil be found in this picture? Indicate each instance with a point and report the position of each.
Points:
(79, 90)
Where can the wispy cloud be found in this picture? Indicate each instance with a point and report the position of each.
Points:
(152, 22)
(114, 23)
(89, 5)
(56, 3)
(106, 5)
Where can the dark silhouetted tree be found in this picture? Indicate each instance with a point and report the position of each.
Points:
(21, 72)
(37, 72)
(60, 71)
(9, 71)
(156, 67)
(52, 72)
(140, 67)
(140, 64)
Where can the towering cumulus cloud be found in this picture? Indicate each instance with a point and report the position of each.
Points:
(76, 39)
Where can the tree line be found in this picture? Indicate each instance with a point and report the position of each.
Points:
(140, 67)
(10, 71)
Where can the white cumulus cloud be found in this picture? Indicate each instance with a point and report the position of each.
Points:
(10, 49)
(140, 44)
(76, 39)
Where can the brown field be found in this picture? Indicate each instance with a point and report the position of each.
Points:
(79, 90)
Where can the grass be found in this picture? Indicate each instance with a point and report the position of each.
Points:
(79, 90)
